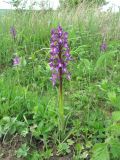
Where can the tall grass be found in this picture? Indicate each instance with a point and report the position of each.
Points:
(33, 27)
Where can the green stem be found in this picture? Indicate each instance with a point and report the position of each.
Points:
(61, 107)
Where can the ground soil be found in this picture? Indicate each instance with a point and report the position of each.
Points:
(8, 148)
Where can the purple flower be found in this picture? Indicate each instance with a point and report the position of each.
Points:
(16, 61)
(13, 32)
(103, 47)
(54, 78)
(60, 54)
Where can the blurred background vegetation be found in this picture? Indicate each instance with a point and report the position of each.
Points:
(72, 3)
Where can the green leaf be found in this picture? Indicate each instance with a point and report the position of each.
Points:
(112, 96)
(100, 152)
(70, 142)
(115, 148)
(104, 60)
(23, 151)
(116, 116)
(63, 148)
(115, 129)
(35, 156)
(47, 154)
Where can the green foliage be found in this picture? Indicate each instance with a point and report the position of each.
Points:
(114, 99)
(41, 155)
(115, 148)
(111, 146)
(116, 116)
(22, 151)
(9, 126)
(100, 152)
(72, 3)
(69, 3)
(16, 3)
(35, 156)
(47, 154)
(28, 103)
(63, 149)
(104, 61)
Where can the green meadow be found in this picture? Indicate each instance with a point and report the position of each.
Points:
(29, 108)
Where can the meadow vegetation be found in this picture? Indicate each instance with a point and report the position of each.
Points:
(29, 126)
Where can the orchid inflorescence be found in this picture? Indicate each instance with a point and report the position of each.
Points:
(13, 32)
(16, 61)
(60, 54)
(103, 47)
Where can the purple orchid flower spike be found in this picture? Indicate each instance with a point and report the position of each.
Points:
(103, 47)
(13, 32)
(16, 61)
(60, 54)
